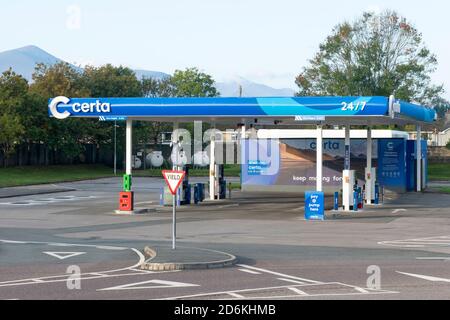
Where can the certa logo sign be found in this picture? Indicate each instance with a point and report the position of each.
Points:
(85, 107)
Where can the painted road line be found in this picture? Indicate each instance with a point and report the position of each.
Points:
(398, 211)
(61, 278)
(299, 292)
(278, 274)
(425, 277)
(290, 280)
(63, 255)
(434, 258)
(235, 295)
(247, 293)
(160, 284)
(249, 271)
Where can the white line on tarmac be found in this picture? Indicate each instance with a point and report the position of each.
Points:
(285, 296)
(300, 292)
(249, 271)
(290, 280)
(62, 278)
(425, 277)
(235, 295)
(278, 274)
(433, 258)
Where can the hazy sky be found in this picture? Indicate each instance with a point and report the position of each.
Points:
(264, 41)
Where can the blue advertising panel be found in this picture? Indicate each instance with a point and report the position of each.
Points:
(295, 160)
(411, 166)
(392, 164)
(63, 107)
(314, 205)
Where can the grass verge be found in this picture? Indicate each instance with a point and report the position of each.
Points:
(439, 171)
(32, 175)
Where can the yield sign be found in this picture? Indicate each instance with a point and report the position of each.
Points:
(64, 255)
(173, 179)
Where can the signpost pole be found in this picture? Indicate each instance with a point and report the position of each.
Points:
(174, 221)
(115, 148)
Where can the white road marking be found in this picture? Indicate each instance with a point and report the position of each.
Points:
(45, 201)
(144, 202)
(425, 277)
(228, 206)
(433, 258)
(249, 271)
(246, 293)
(84, 276)
(439, 241)
(290, 280)
(300, 292)
(398, 211)
(278, 274)
(160, 284)
(63, 255)
(235, 295)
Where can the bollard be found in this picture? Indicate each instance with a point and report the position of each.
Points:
(336, 201)
(229, 190)
(377, 194)
(355, 201)
(161, 197)
(202, 192)
(360, 201)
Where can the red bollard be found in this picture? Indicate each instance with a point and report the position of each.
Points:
(126, 201)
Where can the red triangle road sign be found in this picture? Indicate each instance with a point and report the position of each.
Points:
(173, 179)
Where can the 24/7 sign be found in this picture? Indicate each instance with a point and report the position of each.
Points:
(173, 179)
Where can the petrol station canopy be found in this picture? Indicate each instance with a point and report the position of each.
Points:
(262, 110)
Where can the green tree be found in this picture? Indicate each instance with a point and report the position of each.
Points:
(13, 92)
(193, 83)
(110, 81)
(48, 82)
(378, 54)
(10, 132)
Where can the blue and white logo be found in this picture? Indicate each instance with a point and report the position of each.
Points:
(86, 107)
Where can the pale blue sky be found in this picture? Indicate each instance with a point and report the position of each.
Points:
(264, 41)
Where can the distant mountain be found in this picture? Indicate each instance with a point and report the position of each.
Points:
(250, 89)
(150, 74)
(23, 61)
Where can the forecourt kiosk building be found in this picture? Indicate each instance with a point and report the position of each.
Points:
(262, 111)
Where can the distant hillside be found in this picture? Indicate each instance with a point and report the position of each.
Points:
(23, 61)
(251, 89)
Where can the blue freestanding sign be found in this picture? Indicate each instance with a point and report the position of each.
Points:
(314, 205)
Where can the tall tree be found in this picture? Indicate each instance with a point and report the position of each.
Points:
(193, 83)
(13, 92)
(378, 54)
(50, 81)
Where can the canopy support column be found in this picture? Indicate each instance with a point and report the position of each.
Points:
(370, 172)
(212, 166)
(419, 157)
(319, 159)
(129, 146)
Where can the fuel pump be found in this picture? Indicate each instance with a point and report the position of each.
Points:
(371, 180)
(221, 181)
(186, 187)
(348, 183)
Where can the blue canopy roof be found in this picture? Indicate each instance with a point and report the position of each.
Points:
(289, 108)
